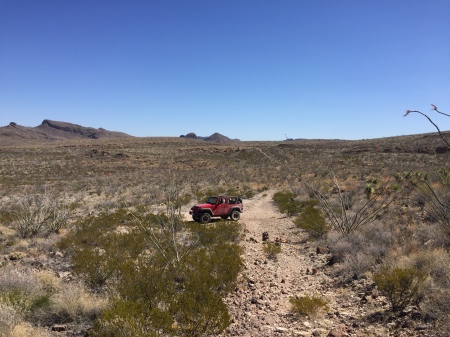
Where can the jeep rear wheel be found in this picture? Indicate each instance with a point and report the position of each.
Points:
(235, 215)
(205, 218)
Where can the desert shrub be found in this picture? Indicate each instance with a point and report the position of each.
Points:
(165, 274)
(401, 286)
(311, 219)
(9, 317)
(227, 231)
(272, 249)
(153, 295)
(436, 292)
(436, 306)
(131, 319)
(308, 305)
(360, 251)
(100, 243)
(247, 192)
(433, 191)
(35, 214)
(20, 290)
(345, 211)
(286, 203)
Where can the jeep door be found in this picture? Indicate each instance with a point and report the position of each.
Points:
(222, 207)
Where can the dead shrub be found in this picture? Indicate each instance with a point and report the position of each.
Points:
(35, 214)
(360, 251)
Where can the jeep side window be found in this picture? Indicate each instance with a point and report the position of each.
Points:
(212, 200)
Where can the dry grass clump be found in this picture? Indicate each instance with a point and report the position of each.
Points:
(74, 303)
(21, 298)
(9, 317)
(29, 298)
(24, 329)
(309, 306)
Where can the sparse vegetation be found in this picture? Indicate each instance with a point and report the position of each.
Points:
(109, 226)
(308, 305)
(272, 249)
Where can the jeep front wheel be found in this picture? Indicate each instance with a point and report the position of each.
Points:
(235, 215)
(205, 218)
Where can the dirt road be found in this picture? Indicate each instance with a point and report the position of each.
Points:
(260, 306)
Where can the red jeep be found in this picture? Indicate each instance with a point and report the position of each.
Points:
(219, 206)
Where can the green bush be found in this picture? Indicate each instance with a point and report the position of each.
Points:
(99, 244)
(308, 305)
(401, 286)
(311, 219)
(167, 281)
(216, 233)
(286, 203)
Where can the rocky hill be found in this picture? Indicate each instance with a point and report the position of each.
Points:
(215, 137)
(53, 130)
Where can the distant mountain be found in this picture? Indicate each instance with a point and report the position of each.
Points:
(215, 137)
(52, 130)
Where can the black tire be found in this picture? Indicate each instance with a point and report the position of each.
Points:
(205, 218)
(235, 215)
(196, 218)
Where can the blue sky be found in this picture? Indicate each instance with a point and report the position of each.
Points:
(253, 70)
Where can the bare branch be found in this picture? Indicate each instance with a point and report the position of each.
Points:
(426, 116)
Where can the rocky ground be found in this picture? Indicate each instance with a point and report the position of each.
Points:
(260, 304)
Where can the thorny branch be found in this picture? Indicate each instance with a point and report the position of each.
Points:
(426, 116)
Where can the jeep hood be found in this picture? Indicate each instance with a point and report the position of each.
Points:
(205, 205)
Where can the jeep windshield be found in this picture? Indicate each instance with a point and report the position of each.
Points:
(212, 200)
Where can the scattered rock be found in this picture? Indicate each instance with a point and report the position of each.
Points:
(335, 333)
(321, 250)
(333, 259)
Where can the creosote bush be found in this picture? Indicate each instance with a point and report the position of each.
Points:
(308, 305)
(311, 219)
(401, 286)
(286, 203)
(168, 276)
